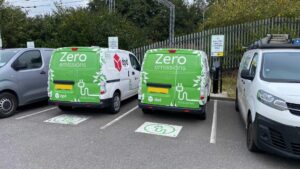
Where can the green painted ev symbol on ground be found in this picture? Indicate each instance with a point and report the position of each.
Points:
(67, 119)
(159, 129)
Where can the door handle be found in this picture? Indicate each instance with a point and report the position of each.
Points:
(43, 72)
(128, 73)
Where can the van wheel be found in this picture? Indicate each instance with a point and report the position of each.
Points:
(65, 108)
(116, 103)
(147, 111)
(202, 116)
(236, 101)
(250, 138)
(8, 104)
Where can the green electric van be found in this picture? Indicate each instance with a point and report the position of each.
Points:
(92, 77)
(175, 80)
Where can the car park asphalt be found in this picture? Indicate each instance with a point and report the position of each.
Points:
(110, 141)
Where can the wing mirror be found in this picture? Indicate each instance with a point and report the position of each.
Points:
(19, 66)
(245, 74)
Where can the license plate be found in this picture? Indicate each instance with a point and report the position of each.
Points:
(63, 87)
(158, 90)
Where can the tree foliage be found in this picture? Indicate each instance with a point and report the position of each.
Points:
(229, 12)
(13, 23)
(135, 22)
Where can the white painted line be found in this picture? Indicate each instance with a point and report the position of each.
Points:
(39, 112)
(213, 135)
(118, 118)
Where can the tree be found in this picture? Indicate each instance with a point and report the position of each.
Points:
(13, 24)
(222, 13)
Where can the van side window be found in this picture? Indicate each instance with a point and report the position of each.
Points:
(253, 65)
(246, 61)
(134, 63)
(29, 60)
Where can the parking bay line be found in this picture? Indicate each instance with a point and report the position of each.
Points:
(118, 118)
(32, 114)
(213, 135)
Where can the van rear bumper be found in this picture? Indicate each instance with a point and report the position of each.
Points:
(201, 110)
(103, 103)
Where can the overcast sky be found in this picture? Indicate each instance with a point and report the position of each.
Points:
(37, 7)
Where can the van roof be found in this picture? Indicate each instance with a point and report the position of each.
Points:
(27, 48)
(174, 50)
(89, 49)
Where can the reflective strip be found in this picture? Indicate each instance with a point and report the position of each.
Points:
(158, 90)
(63, 87)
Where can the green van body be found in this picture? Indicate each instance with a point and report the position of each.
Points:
(92, 77)
(173, 79)
(75, 75)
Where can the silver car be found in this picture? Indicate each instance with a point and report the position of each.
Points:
(23, 77)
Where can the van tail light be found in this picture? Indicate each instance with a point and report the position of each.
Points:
(172, 51)
(102, 88)
(74, 49)
(202, 93)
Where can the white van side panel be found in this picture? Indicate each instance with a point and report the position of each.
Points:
(116, 71)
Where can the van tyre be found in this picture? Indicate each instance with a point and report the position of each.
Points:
(65, 108)
(8, 104)
(202, 116)
(116, 104)
(250, 137)
(236, 101)
(147, 111)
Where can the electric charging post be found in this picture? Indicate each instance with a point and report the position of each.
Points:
(217, 52)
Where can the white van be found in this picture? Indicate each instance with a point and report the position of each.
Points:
(268, 96)
(92, 77)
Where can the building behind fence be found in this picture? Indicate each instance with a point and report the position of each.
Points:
(237, 37)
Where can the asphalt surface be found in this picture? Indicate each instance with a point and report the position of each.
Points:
(110, 141)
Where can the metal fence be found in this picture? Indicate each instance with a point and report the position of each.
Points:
(237, 37)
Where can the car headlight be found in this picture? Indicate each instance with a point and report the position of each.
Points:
(271, 100)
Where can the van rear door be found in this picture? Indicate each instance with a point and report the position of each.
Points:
(158, 79)
(172, 78)
(190, 79)
(75, 75)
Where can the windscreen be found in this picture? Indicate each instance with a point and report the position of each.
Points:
(281, 67)
(6, 55)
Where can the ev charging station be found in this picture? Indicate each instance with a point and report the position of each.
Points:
(217, 54)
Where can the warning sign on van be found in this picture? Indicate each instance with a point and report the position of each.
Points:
(217, 45)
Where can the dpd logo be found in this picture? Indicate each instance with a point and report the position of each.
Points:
(118, 63)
